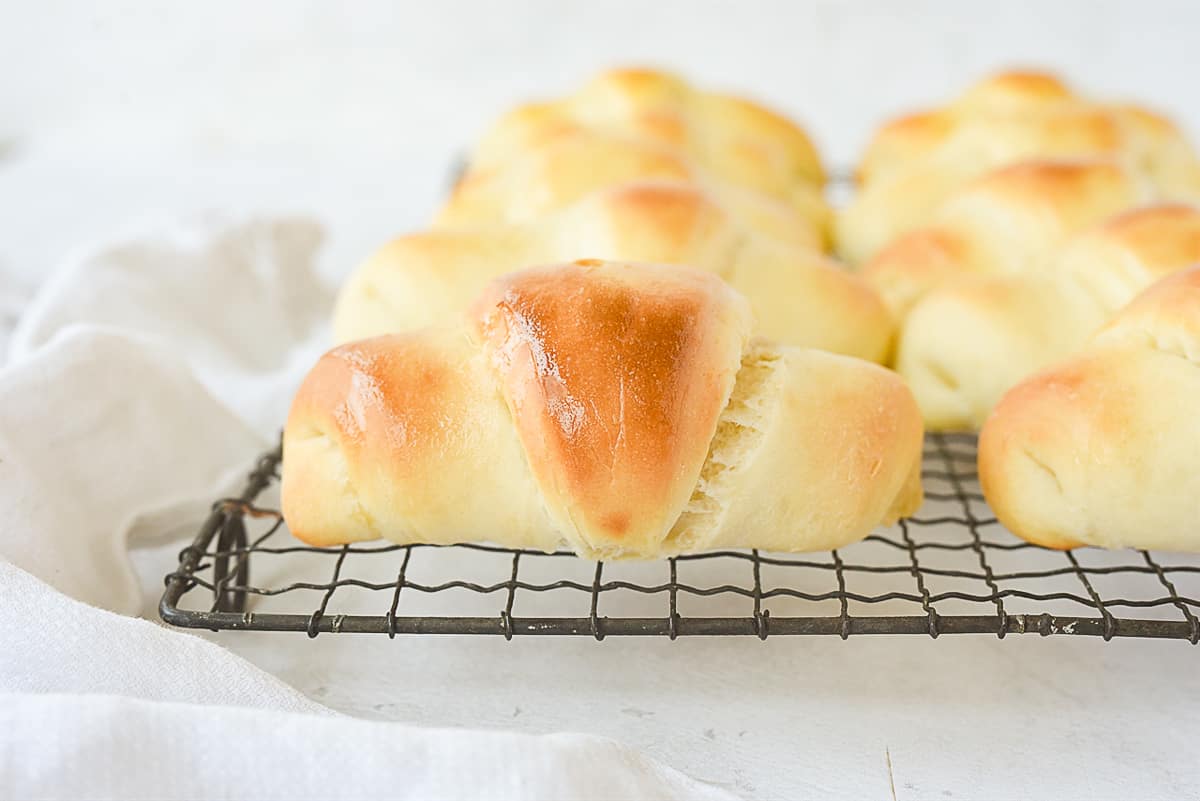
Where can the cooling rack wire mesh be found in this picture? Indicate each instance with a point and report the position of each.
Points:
(950, 569)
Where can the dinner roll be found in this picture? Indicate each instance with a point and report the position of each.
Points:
(619, 410)
(798, 296)
(1100, 449)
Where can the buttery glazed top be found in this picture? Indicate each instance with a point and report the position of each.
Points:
(615, 375)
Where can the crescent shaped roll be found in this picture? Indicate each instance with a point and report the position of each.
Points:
(619, 410)
(798, 296)
(912, 136)
(734, 139)
(540, 181)
(1010, 221)
(1009, 326)
(916, 162)
(1101, 449)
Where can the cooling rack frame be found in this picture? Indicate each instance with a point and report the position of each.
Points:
(218, 562)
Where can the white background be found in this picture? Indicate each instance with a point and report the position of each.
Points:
(353, 112)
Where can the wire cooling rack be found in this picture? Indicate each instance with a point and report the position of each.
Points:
(951, 569)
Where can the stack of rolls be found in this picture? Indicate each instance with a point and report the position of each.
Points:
(734, 140)
(1013, 222)
(798, 295)
(636, 166)
(1007, 325)
(624, 334)
(1010, 234)
(621, 336)
(575, 163)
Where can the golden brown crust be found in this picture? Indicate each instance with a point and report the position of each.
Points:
(1069, 186)
(1161, 237)
(1166, 316)
(913, 135)
(572, 166)
(1009, 325)
(915, 162)
(1019, 88)
(826, 443)
(1100, 448)
(1011, 220)
(401, 386)
(1007, 441)
(798, 296)
(378, 430)
(603, 426)
(1112, 262)
(735, 139)
(901, 139)
(667, 216)
(551, 177)
(905, 270)
(616, 409)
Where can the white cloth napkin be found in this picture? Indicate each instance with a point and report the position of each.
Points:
(146, 749)
(143, 379)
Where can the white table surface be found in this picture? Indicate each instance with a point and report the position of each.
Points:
(113, 113)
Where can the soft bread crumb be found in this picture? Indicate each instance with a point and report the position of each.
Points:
(739, 434)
